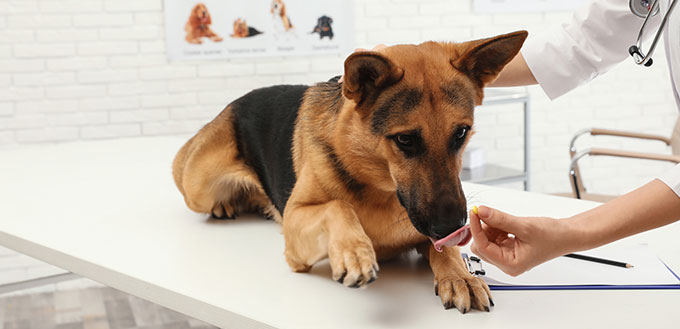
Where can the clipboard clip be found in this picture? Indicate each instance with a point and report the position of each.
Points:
(473, 264)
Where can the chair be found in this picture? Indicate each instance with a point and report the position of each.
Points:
(579, 190)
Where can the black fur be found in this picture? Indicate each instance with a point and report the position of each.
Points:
(326, 96)
(452, 94)
(335, 79)
(402, 102)
(340, 169)
(253, 31)
(264, 121)
(323, 27)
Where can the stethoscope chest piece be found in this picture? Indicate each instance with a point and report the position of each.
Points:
(641, 7)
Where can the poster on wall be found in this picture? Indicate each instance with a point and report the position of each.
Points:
(208, 29)
(525, 6)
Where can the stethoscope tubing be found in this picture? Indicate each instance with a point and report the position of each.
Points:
(636, 50)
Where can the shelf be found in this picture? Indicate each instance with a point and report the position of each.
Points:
(494, 96)
(494, 174)
(491, 173)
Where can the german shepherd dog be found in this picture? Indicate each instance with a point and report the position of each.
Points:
(357, 171)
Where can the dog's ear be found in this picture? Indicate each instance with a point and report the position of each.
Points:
(193, 18)
(483, 59)
(366, 74)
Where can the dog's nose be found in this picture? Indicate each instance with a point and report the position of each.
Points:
(449, 215)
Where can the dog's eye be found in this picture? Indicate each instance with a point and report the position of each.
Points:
(409, 143)
(405, 140)
(458, 138)
(462, 132)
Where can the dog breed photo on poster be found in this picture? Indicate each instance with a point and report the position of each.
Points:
(208, 29)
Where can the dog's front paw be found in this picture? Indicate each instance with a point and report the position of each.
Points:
(353, 262)
(223, 210)
(463, 293)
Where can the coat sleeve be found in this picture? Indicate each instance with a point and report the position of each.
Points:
(592, 42)
(672, 179)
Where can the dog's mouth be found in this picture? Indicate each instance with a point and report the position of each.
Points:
(460, 237)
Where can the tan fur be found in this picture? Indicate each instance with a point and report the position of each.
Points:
(213, 179)
(323, 216)
(198, 25)
(240, 29)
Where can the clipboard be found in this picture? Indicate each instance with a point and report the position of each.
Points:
(562, 273)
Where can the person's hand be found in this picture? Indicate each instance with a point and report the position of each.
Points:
(377, 48)
(517, 244)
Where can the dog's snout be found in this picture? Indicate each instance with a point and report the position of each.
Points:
(449, 215)
(437, 218)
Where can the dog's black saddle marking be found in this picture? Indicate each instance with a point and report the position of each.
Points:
(264, 121)
(253, 31)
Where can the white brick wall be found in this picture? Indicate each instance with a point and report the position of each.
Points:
(92, 69)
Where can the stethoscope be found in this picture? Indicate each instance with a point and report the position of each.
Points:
(645, 9)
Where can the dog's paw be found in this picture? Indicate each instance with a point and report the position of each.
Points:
(353, 263)
(223, 211)
(463, 293)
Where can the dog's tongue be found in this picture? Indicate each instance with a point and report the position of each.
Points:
(460, 238)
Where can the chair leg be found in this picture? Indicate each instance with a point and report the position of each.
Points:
(574, 184)
(574, 175)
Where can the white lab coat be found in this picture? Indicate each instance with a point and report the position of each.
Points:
(596, 39)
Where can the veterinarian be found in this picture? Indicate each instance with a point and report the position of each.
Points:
(597, 38)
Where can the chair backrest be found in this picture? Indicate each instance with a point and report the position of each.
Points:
(675, 138)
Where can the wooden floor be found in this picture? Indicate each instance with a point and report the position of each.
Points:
(90, 308)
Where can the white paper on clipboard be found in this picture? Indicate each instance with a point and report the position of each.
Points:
(648, 270)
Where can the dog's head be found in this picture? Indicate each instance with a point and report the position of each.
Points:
(324, 23)
(415, 104)
(240, 27)
(278, 8)
(200, 15)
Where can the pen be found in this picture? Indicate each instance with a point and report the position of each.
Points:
(599, 260)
